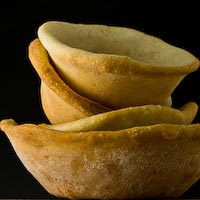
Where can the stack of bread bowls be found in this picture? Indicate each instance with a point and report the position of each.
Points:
(113, 133)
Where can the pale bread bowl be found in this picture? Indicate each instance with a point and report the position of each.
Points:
(115, 66)
(152, 161)
(60, 103)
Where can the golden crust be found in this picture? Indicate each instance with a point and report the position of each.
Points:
(161, 160)
(41, 63)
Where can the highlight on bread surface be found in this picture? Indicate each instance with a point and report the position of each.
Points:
(113, 133)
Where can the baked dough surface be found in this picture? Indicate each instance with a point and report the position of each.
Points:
(161, 160)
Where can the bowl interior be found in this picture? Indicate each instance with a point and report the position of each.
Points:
(118, 41)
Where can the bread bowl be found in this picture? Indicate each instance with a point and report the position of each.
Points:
(115, 66)
(159, 160)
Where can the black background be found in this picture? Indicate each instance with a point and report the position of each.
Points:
(176, 22)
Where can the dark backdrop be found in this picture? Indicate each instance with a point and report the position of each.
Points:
(175, 22)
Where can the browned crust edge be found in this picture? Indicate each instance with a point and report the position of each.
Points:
(40, 60)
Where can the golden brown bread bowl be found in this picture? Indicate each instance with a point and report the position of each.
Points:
(156, 159)
(110, 65)
(113, 135)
